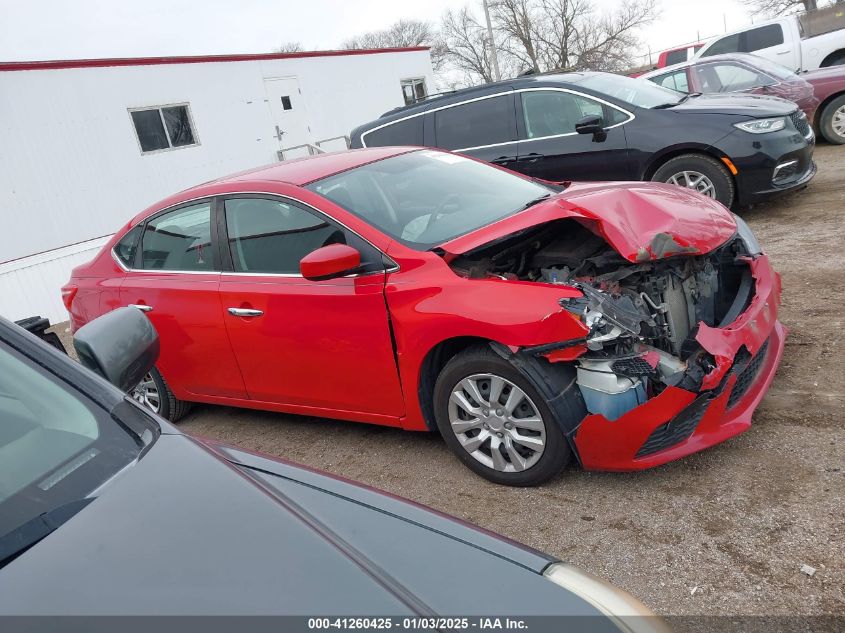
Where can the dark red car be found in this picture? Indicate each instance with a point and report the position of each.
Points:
(738, 72)
(829, 87)
(627, 324)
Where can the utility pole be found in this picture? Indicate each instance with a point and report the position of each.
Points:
(494, 60)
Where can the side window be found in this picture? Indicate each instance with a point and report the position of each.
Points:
(674, 81)
(407, 132)
(733, 78)
(271, 236)
(126, 248)
(549, 113)
(763, 37)
(676, 57)
(728, 44)
(476, 123)
(179, 240)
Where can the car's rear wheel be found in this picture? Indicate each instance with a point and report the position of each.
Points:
(154, 394)
(496, 422)
(832, 121)
(700, 173)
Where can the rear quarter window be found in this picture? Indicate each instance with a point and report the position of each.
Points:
(126, 248)
(407, 132)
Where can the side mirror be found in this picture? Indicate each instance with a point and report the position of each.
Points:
(592, 124)
(328, 262)
(122, 346)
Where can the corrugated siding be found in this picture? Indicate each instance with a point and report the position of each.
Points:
(32, 285)
(71, 168)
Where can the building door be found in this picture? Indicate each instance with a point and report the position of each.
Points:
(288, 114)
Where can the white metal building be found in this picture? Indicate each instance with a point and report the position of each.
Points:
(86, 144)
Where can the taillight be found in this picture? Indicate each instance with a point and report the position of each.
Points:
(68, 293)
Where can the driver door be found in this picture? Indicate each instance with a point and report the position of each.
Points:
(317, 344)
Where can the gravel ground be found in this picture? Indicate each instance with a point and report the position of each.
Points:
(723, 532)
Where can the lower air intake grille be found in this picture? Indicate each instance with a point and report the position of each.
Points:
(746, 378)
(673, 432)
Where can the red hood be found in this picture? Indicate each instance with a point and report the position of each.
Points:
(640, 220)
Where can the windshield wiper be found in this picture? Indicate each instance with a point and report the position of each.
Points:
(536, 200)
(663, 106)
(16, 542)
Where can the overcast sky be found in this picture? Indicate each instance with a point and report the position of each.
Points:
(72, 29)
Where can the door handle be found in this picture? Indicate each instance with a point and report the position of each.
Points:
(531, 158)
(140, 306)
(245, 312)
(503, 159)
(784, 52)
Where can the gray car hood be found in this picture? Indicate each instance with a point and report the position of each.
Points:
(199, 529)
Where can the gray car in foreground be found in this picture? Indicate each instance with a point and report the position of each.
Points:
(106, 510)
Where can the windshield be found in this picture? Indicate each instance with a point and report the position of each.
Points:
(774, 69)
(55, 445)
(425, 198)
(639, 92)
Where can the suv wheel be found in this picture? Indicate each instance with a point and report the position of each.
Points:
(701, 173)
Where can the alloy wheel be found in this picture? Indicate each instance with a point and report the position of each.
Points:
(147, 394)
(497, 423)
(838, 121)
(694, 180)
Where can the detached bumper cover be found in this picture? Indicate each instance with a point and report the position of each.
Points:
(677, 422)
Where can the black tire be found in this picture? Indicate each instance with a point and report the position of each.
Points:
(476, 360)
(722, 181)
(171, 408)
(826, 121)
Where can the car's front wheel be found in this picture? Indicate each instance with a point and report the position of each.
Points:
(154, 393)
(832, 121)
(700, 173)
(496, 421)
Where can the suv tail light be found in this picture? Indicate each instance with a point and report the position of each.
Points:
(68, 293)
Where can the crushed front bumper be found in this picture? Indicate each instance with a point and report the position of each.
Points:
(678, 422)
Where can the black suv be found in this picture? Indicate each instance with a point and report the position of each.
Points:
(738, 149)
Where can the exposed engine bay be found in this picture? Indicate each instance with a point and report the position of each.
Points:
(642, 317)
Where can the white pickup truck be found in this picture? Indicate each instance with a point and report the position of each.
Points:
(806, 41)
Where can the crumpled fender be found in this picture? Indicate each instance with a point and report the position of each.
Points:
(750, 329)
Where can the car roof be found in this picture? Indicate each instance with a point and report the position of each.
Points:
(462, 94)
(301, 171)
(746, 58)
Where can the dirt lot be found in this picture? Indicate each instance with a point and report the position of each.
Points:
(724, 532)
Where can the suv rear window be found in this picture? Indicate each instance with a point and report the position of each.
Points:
(407, 132)
(483, 122)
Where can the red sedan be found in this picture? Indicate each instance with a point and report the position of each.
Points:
(829, 87)
(738, 72)
(627, 324)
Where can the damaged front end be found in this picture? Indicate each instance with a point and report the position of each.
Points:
(681, 345)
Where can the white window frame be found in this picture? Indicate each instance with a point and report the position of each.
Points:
(413, 81)
(185, 105)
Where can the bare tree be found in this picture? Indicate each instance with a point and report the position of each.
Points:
(543, 35)
(463, 39)
(569, 34)
(289, 47)
(780, 7)
(402, 34)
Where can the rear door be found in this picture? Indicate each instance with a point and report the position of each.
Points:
(551, 149)
(175, 279)
(322, 344)
(484, 127)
